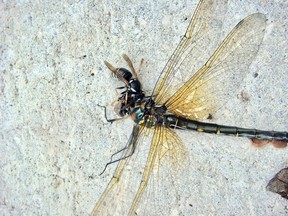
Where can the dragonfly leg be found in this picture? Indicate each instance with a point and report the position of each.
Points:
(110, 120)
(122, 158)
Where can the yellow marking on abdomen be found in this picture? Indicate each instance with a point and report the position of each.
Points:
(200, 129)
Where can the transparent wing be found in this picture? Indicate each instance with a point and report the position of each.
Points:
(167, 158)
(197, 45)
(110, 200)
(166, 151)
(126, 188)
(219, 79)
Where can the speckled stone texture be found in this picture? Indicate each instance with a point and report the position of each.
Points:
(54, 140)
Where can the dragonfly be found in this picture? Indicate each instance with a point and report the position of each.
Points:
(199, 78)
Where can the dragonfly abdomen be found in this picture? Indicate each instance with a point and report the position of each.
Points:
(258, 137)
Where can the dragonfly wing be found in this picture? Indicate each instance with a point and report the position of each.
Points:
(197, 45)
(171, 151)
(115, 197)
(128, 186)
(210, 88)
(167, 156)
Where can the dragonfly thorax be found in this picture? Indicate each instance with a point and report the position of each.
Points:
(145, 112)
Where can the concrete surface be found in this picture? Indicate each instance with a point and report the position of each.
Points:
(54, 139)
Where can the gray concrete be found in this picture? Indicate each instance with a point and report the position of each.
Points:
(54, 139)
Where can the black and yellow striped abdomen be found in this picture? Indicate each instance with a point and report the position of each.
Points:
(259, 137)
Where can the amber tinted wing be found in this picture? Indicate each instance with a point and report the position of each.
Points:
(127, 187)
(219, 79)
(110, 200)
(197, 45)
(166, 153)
